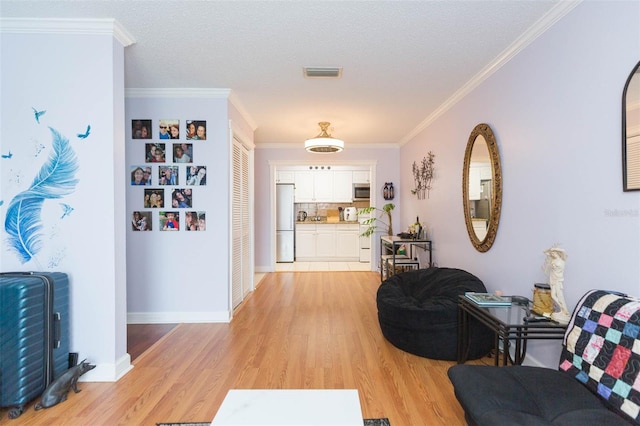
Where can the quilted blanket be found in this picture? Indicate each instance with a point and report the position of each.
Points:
(602, 349)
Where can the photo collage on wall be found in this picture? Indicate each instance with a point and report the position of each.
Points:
(168, 171)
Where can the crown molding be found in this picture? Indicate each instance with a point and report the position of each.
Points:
(235, 101)
(177, 93)
(535, 31)
(67, 26)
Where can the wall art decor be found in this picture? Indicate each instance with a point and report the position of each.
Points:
(169, 172)
(155, 153)
(140, 175)
(181, 198)
(423, 175)
(141, 221)
(196, 130)
(195, 221)
(202, 221)
(168, 175)
(169, 221)
(182, 153)
(388, 192)
(197, 175)
(154, 198)
(141, 129)
(169, 129)
(55, 180)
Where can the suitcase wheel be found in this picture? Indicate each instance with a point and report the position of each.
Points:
(14, 413)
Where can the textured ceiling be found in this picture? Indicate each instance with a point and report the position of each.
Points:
(402, 60)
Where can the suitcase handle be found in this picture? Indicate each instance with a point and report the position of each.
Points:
(56, 329)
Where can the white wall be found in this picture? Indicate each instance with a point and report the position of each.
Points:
(556, 112)
(78, 80)
(386, 160)
(182, 276)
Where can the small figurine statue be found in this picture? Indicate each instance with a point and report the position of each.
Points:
(554, 266)
(57, 391)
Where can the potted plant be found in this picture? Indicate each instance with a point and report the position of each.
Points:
(386, 209)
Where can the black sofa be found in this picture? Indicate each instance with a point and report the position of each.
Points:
(597, 381)
(417, 311)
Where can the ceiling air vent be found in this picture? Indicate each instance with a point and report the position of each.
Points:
(322, 72)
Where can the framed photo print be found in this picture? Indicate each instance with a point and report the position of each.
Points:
(137, 175)
(181, 198)
(182, 153)
(169, 128)
(192, 221)
(170, 221)
(155, 153)
(196, 130)
(141, 221)
(141, 129)
(202, 221)
(168, 175)
(197, 175)
(154, 198)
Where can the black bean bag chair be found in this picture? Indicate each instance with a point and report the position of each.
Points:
(418, 313)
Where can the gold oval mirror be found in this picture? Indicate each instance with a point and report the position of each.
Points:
(482, 187)
(631, 132)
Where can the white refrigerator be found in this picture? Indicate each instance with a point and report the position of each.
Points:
(285, 223)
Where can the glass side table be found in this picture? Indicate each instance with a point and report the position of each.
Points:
(508, 324)
(389, 246)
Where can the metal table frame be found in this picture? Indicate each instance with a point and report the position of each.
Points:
(508, 324)
(392, 243)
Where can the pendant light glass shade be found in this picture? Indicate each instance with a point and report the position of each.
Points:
(324, 143)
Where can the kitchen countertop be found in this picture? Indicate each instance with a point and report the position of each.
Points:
(324, 222)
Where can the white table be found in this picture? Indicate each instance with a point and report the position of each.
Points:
(290, 407)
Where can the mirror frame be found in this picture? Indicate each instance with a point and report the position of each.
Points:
(496, 187)
(625, 160)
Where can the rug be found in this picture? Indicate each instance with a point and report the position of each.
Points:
(367, 422)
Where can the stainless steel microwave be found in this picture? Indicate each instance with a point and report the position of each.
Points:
(361, 191)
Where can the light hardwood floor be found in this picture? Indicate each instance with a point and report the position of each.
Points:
(297, 330)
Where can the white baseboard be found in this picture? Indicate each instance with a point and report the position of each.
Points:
(263, 269)
(177, 317)
(109, 372)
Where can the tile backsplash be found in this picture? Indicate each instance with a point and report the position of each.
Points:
(320, 209)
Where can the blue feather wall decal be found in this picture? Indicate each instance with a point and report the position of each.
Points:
(55, 179)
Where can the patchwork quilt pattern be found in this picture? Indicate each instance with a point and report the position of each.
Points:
(602, 349)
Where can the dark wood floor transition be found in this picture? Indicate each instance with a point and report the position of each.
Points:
(141, 337)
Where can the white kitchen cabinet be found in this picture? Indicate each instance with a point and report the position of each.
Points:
(342, 187)
(305, 241)
(361, 176)
(326, 241)
(313, 186)
(348, 241)
(323, 186)
(285, 176)
(304, 187)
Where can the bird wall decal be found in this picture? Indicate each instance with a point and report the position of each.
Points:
(7, 156)
(86, 133)
(66, 210)
(37, 114)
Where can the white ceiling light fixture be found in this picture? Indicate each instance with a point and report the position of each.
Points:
(324, 143)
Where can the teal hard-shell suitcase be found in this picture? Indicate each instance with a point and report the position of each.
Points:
(34, 335)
